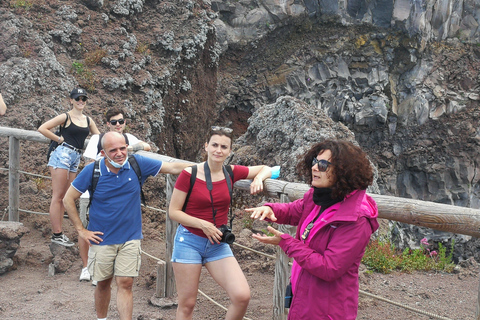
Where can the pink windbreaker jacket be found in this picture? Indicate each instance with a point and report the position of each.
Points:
(326, 274)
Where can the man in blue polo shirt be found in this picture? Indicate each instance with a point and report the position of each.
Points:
(115, 225)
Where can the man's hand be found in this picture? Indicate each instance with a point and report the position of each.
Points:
(92, 236)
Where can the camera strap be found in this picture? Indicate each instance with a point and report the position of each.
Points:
(208, 180)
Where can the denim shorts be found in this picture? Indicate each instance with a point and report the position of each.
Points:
(64, 158)
(190, 248)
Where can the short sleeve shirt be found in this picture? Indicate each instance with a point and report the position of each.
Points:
(116, 206)
(199, 204)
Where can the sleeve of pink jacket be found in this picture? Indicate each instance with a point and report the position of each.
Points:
(345, 248)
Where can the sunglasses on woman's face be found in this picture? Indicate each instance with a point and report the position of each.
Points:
(83, 98)
(114, 122)
(322, 164)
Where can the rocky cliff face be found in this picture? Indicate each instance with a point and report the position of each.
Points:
(157, 60)
(414, 108)
(242, 21)
(402, 76)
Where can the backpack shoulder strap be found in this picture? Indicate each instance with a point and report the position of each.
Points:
(126, 138)
(230, 171)
(193, 177)
(99, 144)
(134, 164)
(95, 177)
(65, 123)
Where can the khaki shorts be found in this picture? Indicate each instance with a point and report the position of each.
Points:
(84, 211)
(121, 260)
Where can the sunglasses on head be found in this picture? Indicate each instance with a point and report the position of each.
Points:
(223, 129)
(83, 98)
(114, 122)
(322, 164)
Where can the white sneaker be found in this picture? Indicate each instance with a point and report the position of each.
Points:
(94, 282)
(85, 275)
(62, 240)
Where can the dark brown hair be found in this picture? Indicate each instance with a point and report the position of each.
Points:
(350, 167)
(112, 113)
(221, 131)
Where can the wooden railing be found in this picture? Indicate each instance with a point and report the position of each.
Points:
(437, 216)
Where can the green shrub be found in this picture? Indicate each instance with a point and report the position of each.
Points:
(382, 256)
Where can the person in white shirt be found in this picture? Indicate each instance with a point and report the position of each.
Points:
(3, 106)
(116, 122)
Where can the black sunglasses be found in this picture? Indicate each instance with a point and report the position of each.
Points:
(114, 122)
(83, 98)
(322, 164)
(223, 129)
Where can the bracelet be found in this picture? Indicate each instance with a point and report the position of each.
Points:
(59, 138)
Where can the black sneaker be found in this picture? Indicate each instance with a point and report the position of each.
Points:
(62, 240)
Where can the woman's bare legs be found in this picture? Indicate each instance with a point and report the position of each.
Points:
(187, 277)
(61, 180)
(227, 273)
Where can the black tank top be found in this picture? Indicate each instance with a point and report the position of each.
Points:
(75, 135)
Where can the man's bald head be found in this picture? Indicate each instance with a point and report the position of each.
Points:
(112, 137)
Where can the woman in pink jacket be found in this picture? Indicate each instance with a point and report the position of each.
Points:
(334, 220)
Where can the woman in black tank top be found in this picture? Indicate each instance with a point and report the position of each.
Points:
(64, 160)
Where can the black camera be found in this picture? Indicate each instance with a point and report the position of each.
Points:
(227, 235)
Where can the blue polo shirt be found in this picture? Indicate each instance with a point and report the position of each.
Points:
(115, 209)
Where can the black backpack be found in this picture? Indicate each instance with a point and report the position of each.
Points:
(99, 144)
(54, 144)
(96, 175)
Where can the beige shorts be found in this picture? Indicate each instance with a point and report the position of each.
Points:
(84, 211)
(121, 260)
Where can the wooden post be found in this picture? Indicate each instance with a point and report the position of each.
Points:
(170, 229)
(282, 273)
(13, 177)
(161, 278)
(477, 309)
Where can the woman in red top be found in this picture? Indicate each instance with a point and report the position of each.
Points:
(198, 240)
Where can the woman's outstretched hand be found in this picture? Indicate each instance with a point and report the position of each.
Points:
(261, 213)
(275, 239)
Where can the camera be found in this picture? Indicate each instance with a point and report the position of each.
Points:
(227, 235)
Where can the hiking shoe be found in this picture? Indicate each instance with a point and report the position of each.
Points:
(85, 275)
(94, 282)
(62, 240)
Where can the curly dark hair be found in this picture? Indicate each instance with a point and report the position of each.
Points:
(350, 166)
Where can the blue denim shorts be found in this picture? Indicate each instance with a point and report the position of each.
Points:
(64, 158)
(190, 248)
